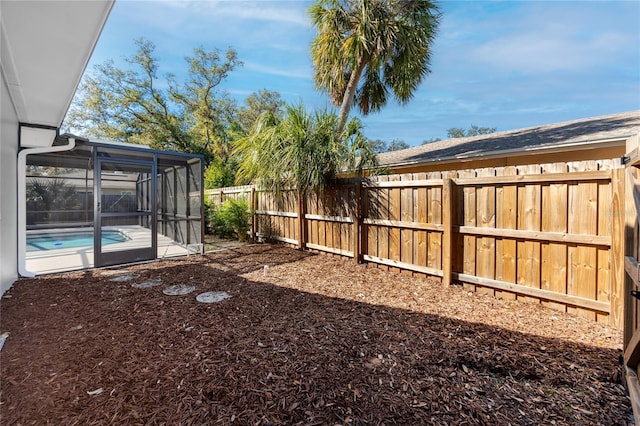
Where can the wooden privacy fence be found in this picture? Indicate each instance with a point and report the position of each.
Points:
(551, 233)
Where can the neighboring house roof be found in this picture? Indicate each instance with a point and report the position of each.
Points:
(565, 136)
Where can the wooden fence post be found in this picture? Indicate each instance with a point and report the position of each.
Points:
(618, 226)
(252, 206)
(357, 222)
(301, 221)
(447, 236)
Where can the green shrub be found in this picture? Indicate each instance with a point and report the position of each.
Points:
(232, 217)
(213, 221)
(220, 174)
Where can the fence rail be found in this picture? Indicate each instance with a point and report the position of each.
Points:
(541, 233)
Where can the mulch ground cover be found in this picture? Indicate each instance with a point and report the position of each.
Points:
(215, 243)
(303, 339)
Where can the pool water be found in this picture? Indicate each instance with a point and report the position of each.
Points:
(55, 241)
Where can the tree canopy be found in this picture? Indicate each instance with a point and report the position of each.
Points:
(459, 132)
(378, 146)
(256, 104)
(301, 150)
(133, 104)
(220, 173)
(431, 140)
(365, 49)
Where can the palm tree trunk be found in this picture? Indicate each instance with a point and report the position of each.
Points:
(349, 94)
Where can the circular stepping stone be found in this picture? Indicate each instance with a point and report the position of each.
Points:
(147, 284)
(123, 278)
(178, 290)
(212, 297)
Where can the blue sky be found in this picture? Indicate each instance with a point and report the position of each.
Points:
(503, 64)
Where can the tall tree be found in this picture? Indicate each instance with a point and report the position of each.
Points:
(132, 104)
(384, 43)
(206, 108)
(221, 173)
(397, 145)
(255, 105)
(378, 146)
(459, 132)
(428, 141)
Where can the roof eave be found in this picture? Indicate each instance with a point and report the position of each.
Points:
(46, 46)
(536, 150)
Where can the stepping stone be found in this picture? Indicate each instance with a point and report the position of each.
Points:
(3, 337)
(124, 278)
(212, 297)
(147, 284)
(178, 290)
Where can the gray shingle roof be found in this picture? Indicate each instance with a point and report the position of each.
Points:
(594, 129)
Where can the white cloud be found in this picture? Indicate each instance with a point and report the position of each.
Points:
(547, 51)
(301, 73)
(271, 11)
(240, 93)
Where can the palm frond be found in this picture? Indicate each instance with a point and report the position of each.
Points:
(392, 37)
(301, 150)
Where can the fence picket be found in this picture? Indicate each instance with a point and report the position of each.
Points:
(394, 214)
(583, 265)
(528, 252)
(486, 218)
(421, 248)
(554, 219)
(406, 215)
(469, 241)
(605, 219)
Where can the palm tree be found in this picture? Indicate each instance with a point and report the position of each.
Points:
(50, 196)
(301, 150)
(386, 43)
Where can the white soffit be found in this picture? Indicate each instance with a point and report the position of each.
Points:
(45, 48)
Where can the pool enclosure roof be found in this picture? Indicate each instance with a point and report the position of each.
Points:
(82, 154)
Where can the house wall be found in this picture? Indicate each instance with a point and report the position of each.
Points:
(8, 191)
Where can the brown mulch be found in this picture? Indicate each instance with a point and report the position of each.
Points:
(308, 339)
(216, 243)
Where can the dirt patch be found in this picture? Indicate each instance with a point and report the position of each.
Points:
(310, 339)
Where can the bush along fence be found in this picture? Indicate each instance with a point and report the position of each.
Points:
(551, 234)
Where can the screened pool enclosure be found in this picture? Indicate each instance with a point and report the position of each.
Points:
(104, 203)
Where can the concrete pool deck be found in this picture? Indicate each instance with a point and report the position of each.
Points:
(72, 259)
